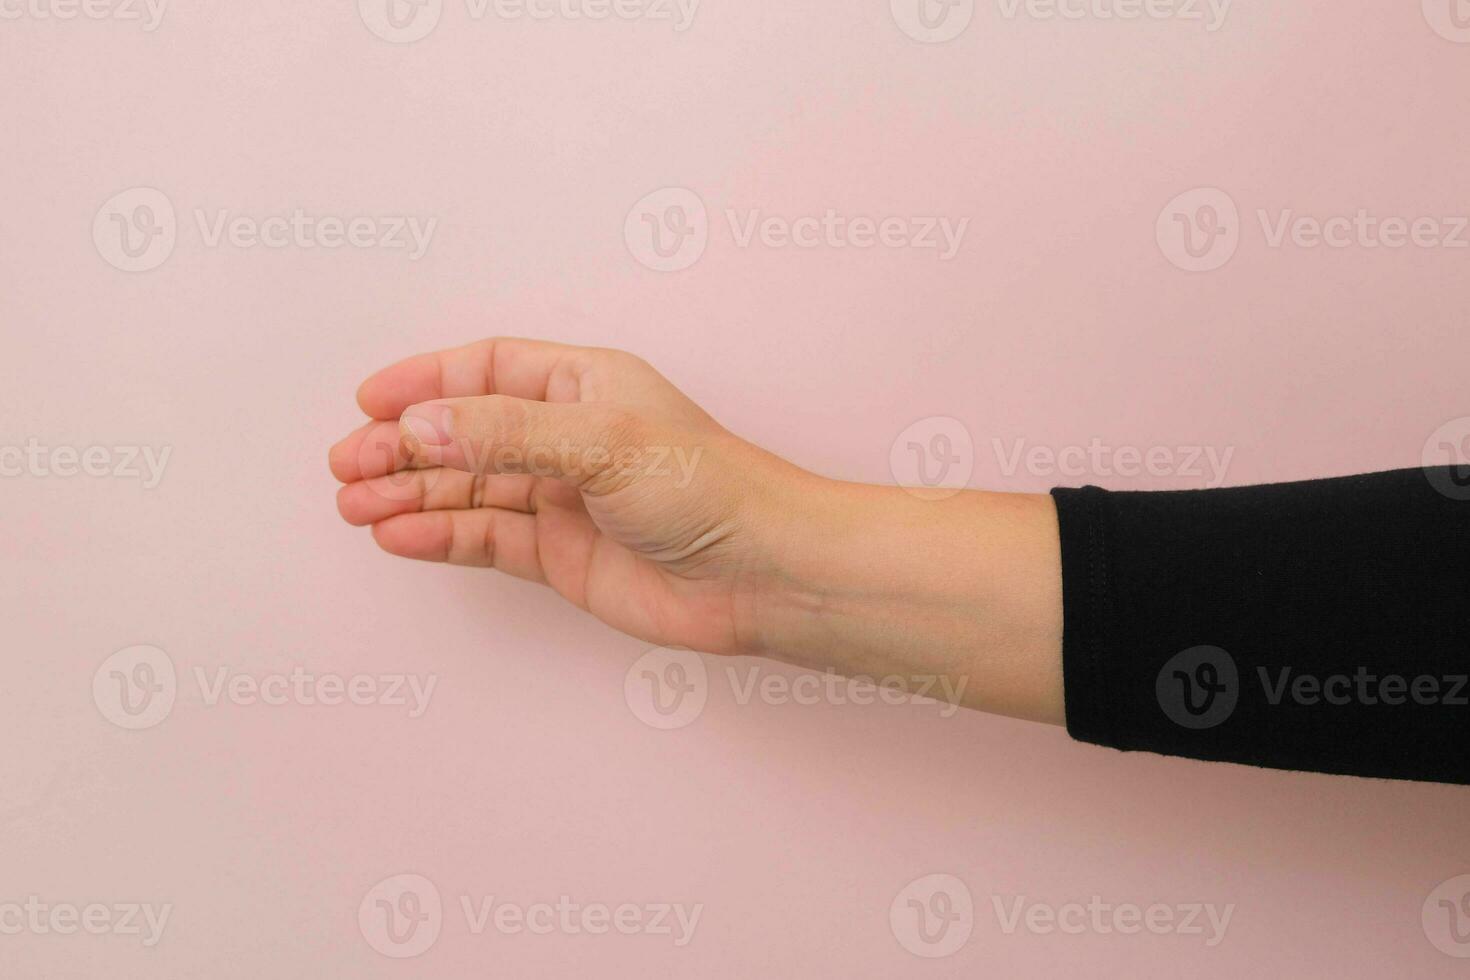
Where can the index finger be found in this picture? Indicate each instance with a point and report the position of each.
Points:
(533, 369)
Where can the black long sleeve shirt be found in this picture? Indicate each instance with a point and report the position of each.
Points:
(1320, 625)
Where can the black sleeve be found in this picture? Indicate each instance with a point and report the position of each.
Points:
(1318, 625)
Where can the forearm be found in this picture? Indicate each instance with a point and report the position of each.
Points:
(874, 581)
(1314, 625)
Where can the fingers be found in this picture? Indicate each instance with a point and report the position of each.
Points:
(577, 443)
(413, 491)
(486, 538)
(374, 450)
(532, 369)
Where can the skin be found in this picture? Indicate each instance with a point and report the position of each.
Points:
(585, 470)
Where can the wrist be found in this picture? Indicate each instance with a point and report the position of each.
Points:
(875, 581)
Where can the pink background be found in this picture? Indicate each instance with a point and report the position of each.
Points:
(1059, 321)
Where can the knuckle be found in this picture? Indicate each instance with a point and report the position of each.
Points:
(505, 420)
(478, 486)
(624, 429)
(635, 365)
(617, 359)
(611, 458)
(487, 545)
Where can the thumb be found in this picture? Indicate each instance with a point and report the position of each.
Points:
(592, 446)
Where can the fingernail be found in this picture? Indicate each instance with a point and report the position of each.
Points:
(428, 424)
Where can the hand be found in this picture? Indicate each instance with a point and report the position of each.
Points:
(580, 468)
(584, 469)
